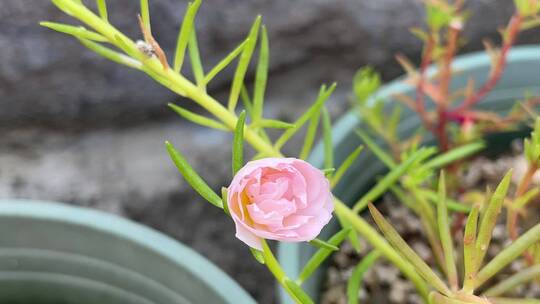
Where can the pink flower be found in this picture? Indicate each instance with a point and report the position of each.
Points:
(284, 199)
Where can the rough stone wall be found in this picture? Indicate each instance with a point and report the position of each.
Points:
(81, 130)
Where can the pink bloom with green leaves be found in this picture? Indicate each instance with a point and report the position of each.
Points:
(284, 199)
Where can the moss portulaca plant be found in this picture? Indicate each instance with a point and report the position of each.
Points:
(283, 198)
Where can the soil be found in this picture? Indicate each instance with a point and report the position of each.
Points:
(384, 284)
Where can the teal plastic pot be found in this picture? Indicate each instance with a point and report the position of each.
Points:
(521, 76)
(54, 253)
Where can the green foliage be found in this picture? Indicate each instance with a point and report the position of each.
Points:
(311, 132)
(196, 182)
(531, 146)
(327, 140)
(198, 119)
(224, 192)
(355, 280)
(145, 13)
(527, 7)
(77, 31)
(238, 144)
(184, 35)
(243, 64)
(489, 218)
(322, 244)
(365, 82)
(102, 8)
(445, 235)
(324, 94)
(225, 62)
(404, 249)
(297, 291)
(469, 250)
(321, 255)
(391, 178)
(261, 76)
(195, 59)
(438, 15)
(347, 163)
(258, 255)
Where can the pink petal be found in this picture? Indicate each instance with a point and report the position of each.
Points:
(248, 237)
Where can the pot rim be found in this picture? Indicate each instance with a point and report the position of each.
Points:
(149, 238)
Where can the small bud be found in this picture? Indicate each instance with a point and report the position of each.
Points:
(366, 81)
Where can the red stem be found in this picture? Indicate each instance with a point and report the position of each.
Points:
(426, 60)
(444, 86)
(514, 27)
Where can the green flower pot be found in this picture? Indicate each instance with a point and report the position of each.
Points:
(54, 253)
(521, 76)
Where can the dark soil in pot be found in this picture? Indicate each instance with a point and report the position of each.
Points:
(384, 284)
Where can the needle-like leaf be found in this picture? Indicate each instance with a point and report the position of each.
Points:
(309, 138)
(358, 273)
(391, 177)
(400, 245)
(445, 235)
(195, 59)
(243, 64)
(261, 77)
(77, 31)
(489, 218)
(111, 54)
(320, 256)
(322, 244)
(454, 154)
(272, 123)
(145, 14)
(451, 204)
(102, 9)
(353, 234)
(224, 195)
(198, 119)
(508, 254)
(313, 110)
(258, 255)
(327, 139)
(526, 198)
(196, 182)
(300, 294)
(184, 35)
(238, 144)
(225, 62)
(469, 250)
(246, 100)
(345, 166)
(523, 276)
(376, 149)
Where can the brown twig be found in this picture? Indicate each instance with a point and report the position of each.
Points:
(153, 43)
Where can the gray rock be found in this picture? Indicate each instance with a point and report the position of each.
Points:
(48, 79)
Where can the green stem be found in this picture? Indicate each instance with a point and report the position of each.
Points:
(273, 265)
